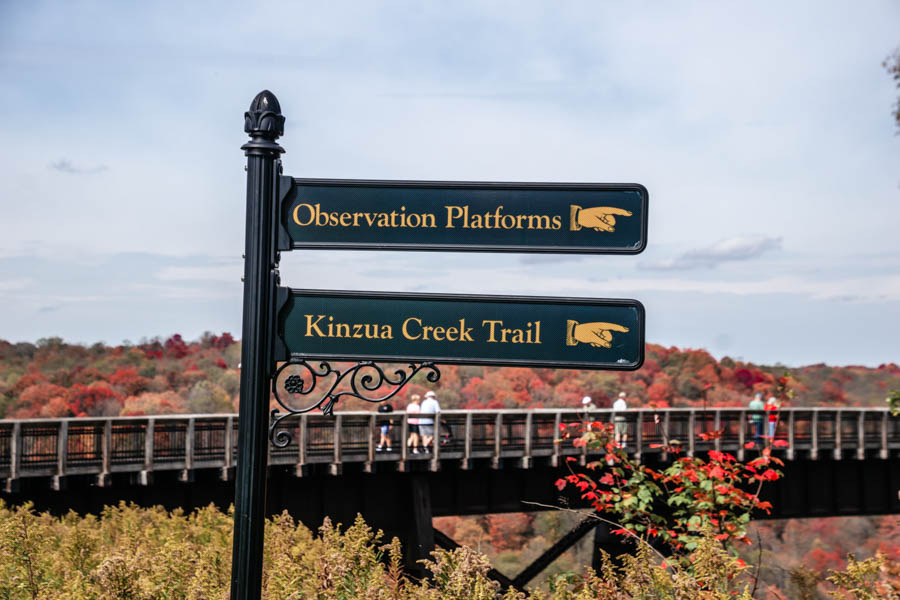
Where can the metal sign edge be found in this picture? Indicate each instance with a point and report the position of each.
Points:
(285, 292)
(408, 183)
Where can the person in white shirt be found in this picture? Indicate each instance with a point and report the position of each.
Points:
(587, 405)
(413, 408)
(427, 425)
(620, 426)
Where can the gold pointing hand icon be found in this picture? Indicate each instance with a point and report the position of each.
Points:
(597, 334)
(598, 218)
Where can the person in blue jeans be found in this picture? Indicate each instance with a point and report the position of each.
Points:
(772, 405)
(756, 418)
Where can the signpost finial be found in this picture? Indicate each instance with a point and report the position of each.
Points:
(264, 123)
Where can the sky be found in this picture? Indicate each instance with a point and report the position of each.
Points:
(762, 131)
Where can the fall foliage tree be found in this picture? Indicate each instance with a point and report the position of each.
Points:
(95, 400)
(128, 382)
(207, 397)
(677, 505)
(35, 397)
(154, 403)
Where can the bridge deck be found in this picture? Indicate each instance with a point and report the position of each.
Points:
(57, 448)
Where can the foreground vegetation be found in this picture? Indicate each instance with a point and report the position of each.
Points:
(129, 553)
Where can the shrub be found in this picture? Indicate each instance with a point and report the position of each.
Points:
(131, 553)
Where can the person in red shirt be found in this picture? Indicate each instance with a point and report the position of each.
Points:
(771, 409)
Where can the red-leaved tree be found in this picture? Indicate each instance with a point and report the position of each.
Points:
(95, 400)
(677, 505)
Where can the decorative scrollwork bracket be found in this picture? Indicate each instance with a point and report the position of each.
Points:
(298, 377)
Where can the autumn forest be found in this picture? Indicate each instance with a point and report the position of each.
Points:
(55, 379)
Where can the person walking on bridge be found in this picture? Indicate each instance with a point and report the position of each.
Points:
(772, 410)
(587, 405)
(429, 421)
(756, 417)
(384, 441)
(620, 425)
(412, 409)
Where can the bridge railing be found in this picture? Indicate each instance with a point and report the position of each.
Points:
(60, 447)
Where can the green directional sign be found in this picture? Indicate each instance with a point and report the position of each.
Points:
(497, 330)
(486, 217)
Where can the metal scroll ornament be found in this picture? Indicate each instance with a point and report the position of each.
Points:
(299, 378)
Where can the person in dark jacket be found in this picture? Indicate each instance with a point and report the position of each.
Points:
(384, 442)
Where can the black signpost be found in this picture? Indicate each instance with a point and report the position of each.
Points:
(305, 329)
(264, 123)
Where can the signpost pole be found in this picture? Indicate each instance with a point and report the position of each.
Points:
(264, 124)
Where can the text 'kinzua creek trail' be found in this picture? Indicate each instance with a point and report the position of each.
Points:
(413, 328)
(460, 329)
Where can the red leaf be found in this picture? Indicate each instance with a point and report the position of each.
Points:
(769, 475)
(717, 473)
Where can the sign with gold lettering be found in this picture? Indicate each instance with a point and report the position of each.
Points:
(577, 333)
(487, 217)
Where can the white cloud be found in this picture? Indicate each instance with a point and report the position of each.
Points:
(862, 289)
(743, 247)
(64, 165)
(736, 248)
